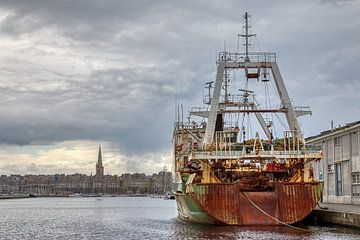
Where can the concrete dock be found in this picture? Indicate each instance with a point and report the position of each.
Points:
(340, 214)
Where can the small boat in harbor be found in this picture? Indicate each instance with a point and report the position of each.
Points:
(79, 195)
(76, 195)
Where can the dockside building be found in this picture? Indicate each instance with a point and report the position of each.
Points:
(340, 167)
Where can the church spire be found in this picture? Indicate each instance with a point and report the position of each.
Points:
(99, 156)
(99, 166)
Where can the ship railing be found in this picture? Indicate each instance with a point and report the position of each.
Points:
(242, 99)
(247, 99)
(261, 154)
(199, 109)
(252, 57)
(189, 125)
(302, 108)
(207, 99)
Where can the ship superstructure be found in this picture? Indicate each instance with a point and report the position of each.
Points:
(224, 174)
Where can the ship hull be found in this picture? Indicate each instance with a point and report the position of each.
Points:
(188, 210)
(227, 204)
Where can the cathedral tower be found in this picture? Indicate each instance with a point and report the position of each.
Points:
(99, 166)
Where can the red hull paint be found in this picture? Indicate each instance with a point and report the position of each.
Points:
(288, 203)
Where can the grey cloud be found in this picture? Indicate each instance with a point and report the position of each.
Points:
(31, 168)
(107, 70)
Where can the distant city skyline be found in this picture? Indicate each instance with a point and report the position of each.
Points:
(76, 74)
(110, 158)
(60, 184)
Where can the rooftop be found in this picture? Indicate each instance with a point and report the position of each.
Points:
(334, 130)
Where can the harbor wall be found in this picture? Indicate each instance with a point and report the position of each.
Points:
(348, 219)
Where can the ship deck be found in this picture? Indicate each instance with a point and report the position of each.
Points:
(202, 155)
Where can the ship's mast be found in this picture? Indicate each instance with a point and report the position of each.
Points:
(246, 61)
(247, 35)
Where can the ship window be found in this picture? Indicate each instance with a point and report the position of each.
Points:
(337, 141)
(321, 176)
(233, 137)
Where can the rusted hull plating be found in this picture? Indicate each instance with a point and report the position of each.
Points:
(189, 211)
(225, 203)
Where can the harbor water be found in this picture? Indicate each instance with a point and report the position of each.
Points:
(130, 218)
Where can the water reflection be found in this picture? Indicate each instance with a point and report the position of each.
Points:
(130, 218)
(185, 230)
(199, 231)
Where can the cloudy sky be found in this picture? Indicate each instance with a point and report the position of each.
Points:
(75, 74)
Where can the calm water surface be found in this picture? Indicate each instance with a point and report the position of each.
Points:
(128, 218)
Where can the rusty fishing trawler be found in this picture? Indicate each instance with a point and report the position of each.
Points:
(227, 174)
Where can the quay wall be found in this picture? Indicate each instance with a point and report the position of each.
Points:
(348, 219)
(15, 196)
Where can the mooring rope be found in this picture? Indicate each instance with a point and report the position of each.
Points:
(273, 218)
(322, 208)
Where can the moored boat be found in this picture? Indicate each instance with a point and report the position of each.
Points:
(225, 174)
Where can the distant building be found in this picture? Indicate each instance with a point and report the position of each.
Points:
(136, 183)
(162, 182)
(340, 167)
(64, 185)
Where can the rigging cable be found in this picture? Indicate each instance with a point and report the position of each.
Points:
(249, 129)
(269, 86)
(258, 43)
(284, 125)
(281, 122)
(271, 217)
(266, 98)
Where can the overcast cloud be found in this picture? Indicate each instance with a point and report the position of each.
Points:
(74, 74)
